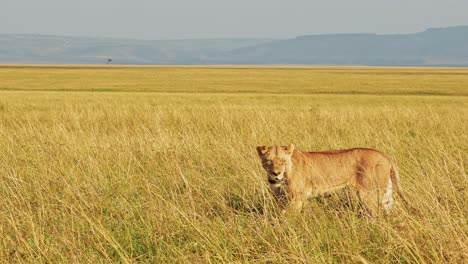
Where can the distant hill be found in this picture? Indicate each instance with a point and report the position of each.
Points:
(433, 47)
(82, 50)
(444, 46)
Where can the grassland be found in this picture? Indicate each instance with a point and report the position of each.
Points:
(158, 164)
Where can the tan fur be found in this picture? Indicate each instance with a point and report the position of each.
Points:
(296, 176)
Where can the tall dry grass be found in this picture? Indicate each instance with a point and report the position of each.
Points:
(147, 177)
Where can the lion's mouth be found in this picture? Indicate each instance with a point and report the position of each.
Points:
(271, 181)
(274, 181)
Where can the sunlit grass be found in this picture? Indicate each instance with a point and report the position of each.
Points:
(239, 79)
(161, 177)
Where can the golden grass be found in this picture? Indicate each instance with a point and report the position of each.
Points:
(277, 80)
(174, 177)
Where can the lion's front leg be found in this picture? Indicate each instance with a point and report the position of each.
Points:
(297, 203)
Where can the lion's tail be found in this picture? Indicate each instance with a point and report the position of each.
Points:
(395, 177)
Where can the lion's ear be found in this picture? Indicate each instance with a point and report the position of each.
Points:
(262, 150)
(289, 149)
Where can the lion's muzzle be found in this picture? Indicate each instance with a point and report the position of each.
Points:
(273, 181)
(275, 178)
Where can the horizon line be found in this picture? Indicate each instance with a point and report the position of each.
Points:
(229, 38)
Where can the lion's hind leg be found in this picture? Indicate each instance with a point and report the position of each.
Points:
(369, 201)
(387, 198)
(375, 190)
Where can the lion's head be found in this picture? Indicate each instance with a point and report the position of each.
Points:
(276, 160)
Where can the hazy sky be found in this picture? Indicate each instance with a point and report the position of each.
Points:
(181, 19)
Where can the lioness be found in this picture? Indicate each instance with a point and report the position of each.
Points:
(296, 175)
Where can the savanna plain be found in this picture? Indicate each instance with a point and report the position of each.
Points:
(158, 164)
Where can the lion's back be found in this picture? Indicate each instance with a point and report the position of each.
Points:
(370, 156)
(339, 162)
